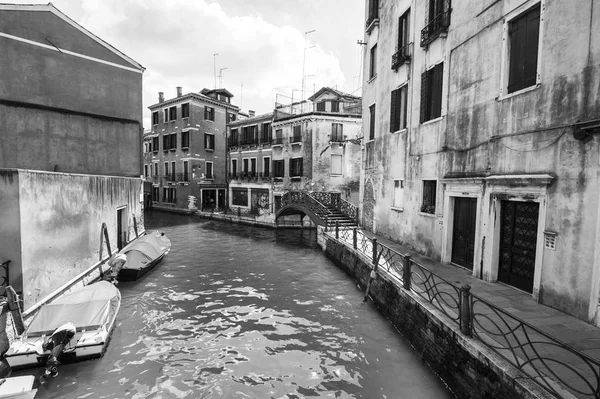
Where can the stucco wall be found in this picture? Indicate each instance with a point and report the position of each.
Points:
(61, 217)
(10, 226)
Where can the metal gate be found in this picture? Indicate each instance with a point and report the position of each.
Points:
(463, 231)
(518, 240)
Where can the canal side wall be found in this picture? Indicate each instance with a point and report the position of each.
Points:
(468, 368)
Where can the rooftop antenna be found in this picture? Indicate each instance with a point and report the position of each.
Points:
(215, 67)
(221, 77)
(241, 95)
(304, 60)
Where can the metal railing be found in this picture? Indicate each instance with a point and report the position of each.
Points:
(302, 198)
(296, 139)
(401, 56)
(283, 111)
(554, 365)
(4, 282)
(348, 209)
(435, 27)
(277, 140)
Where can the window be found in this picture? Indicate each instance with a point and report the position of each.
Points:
(172, 113)
(252, 166)
(230, 117)
(279, 168)
(239, 196)
(373, 11)
(278, 137)
(370, 155)
(186, 171)
(297, 134)
(185, 110)
(233, 138)
(156, 169)
(209, 141)
(398, 109)
(173, 140)
(266, 166)
(234, 167)
(155, 144)
(266, 133)
(402, 50)
(337, 132)
(169, 194)
(431, 93)
(166, 142)
(166, 114)
(173, 171)
(209, 113)
(372, 122)
(335, 106)
(398, 196)
(523, 40)
(166, 170)
(253, 134)
(155, 191)
(429, 191)
(373, 62)
(438, 21)
(245, 165)
(185, 139)
(145, 170)
(209, 170)
(321, 106)
(296, 167)
(336, 164)
(155, 118)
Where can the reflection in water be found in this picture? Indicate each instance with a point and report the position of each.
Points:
(242, 312)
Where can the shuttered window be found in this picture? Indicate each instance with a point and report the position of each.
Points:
(523, 34)
(372, 122)
(296, 167)
(398, 109)
(431, 93)
(373, 64)
(403, 29)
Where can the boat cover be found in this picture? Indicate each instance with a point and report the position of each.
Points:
(88, 308)
(145, 249)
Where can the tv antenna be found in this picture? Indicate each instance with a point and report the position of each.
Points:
(221, 77)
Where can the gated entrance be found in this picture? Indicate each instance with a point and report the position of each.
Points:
(463, 231)
(518, 239)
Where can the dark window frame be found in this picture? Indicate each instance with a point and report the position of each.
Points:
(523, 46)
(185, 110)
(399, 109)
(372, 115)
(172, 113)
(296, 167)
(155, 118)
(209, 113)
(209, 141)
(185, 139)
(432, 83)
(279, 168)
(337, 132)
(373, 62)
(429, 196)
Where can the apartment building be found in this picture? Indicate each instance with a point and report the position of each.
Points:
(481, 147)
(184, 152)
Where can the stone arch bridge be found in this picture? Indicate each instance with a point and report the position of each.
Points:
(323, 208)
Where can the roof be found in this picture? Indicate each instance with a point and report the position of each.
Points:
(335, 92)
(52, 9)
(196, 96)
(225, 92)
(251, 120)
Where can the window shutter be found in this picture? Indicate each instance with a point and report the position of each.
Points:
(301, 164)
(515, 71)
(424, 111)
(393, 113)
(531, 47)
(436, 91)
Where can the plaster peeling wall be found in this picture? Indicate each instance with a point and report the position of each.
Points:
(61, 216)
(10, 228)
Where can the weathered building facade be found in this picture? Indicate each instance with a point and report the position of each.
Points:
(185, 153)
(480, 147)
(70, 147)
(312, 145)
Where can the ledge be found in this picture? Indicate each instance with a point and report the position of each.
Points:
(520, 180)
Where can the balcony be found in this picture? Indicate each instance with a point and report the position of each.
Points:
(277, 141)
(233, 175)
(265, 175)
(401, 56)
(437, 27)
(296, 139)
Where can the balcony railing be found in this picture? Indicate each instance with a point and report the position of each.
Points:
(435, 28)
(233, 175)
(265, 175)
(296, 139)
(337, 138)
(401, 56)
(278, 140)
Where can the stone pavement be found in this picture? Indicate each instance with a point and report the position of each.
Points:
(571, 369)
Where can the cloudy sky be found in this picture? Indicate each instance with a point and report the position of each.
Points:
(260, 42)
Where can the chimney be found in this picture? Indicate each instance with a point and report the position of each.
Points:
(251, 113)
(161, 96)
(178, 91)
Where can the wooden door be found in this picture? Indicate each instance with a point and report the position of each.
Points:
(463, 231)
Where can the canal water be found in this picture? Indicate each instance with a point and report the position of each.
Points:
(240, 312)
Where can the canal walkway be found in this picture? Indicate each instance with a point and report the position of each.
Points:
(577, 334)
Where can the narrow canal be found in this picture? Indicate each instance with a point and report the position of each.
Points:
(241, 312)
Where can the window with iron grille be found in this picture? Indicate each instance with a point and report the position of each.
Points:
(296, 167)
(209, 113)
(321, 106)
(155, 144)
(266, 133)
(335, 106)
(239, 196)
(431, 93)
(523, 42)
(297, 134)
(336, 164)
(337, 132)
(438, 21)
(398, 109)
(155, 118)
(209, 170)
(279, 168)
(173, 139)
(429, 194)
(185, 139)
(185, 110)
(172, 113)
(373, 62)
(372, 122)
(209, 141)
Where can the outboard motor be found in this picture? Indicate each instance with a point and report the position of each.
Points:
(116, 262)
(56, 344)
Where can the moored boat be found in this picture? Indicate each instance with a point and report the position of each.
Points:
(92, 310)
(17, 387)
(143, 254)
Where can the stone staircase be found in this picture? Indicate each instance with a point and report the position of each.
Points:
(335, 216)
(327, 207)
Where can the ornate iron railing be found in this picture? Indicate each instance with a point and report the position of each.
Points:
(401, 56)
(302, 198)
(436, 27)
(540, 356)
(347, 208)
(325, 198)
(4, 281)
(554, 365)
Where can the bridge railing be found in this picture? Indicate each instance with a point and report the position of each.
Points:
(314, 205)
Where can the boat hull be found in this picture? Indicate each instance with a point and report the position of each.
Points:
(127, 274)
